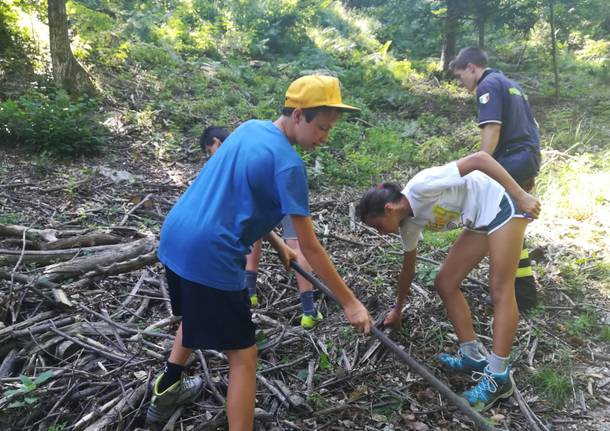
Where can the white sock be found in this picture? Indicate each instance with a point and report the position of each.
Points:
(497, 364)
(472, 349)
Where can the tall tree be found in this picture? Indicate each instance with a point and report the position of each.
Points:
(67, 71)
(554, 45)
(450, 33)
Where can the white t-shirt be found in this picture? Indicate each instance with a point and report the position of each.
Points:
(441, 199)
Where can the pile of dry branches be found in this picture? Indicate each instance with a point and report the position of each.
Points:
(86, 326)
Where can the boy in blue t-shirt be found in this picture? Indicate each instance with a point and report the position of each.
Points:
(254, 179)
(509, 133)
(211, 140)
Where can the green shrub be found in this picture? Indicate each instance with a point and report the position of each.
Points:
(52, 123)
(556, 387)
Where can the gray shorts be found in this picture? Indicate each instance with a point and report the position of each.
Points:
(288, 228)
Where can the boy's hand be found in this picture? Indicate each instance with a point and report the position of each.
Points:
(358, 316)
(393, 319)
(529, 205)
(286, 256)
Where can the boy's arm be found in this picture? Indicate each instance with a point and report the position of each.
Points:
(407, 274)
(315, 254)
(490, 135)
(286, 253)
(481, 161)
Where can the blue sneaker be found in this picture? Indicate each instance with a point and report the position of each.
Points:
(461, 363)
(491, 388)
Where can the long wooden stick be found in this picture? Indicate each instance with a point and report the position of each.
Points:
(460, 402)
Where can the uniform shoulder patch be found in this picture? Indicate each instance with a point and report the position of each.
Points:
(484, 98)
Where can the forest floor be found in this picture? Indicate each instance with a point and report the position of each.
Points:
(90, 326)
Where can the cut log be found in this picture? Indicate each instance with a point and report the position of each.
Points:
(84, 264)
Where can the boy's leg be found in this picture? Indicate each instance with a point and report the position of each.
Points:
(525, 283)
(303, 285)
(252, 262)
(170, 389)
(179, 354)
(175, 363)
(504, 250)
(241, 393)
(310, 317)
(523, 166)
(464, 255)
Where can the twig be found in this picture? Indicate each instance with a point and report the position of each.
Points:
(135, 207)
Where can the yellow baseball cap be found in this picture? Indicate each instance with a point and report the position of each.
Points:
(313, 91)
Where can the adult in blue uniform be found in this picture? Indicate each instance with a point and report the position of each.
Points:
(509, 133)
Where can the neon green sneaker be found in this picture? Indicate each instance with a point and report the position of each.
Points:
(308, 322)
(253, 301)
(164, 404)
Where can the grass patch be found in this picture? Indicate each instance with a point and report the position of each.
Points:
(553, 385)
(583, 325)
(440, 240)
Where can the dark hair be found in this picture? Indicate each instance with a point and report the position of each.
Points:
(372, 204)
(310, 113)
(210, 133)
(473, 55)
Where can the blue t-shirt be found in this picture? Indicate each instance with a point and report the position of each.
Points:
(501, 100)
(242, 193)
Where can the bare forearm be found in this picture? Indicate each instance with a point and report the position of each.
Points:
(275, 241)
(483, 162)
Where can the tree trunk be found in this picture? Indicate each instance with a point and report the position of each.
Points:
(450, 34)
(67, 71)
(481, 25)
(554, 46)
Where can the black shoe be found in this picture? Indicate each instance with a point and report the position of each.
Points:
(525, 293)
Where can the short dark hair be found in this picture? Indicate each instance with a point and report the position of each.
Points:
(372, 204)
(208, 135)
(471, 54)
(310, 113)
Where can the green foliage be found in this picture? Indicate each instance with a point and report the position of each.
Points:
(9, 218)
(52, 123)
(583, 325)
(26, 390)
(16, 47)
(426, 273)
(317, 401)
(440, 240)
(324, 362)
(553, 384)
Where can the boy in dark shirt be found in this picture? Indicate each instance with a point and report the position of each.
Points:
(509, 133)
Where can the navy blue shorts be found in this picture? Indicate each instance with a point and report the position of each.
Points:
(211, 318)
(522, 163)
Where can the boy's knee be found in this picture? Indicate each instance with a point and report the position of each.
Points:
(242, 357)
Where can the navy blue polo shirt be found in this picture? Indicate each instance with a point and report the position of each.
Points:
(501, 100)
